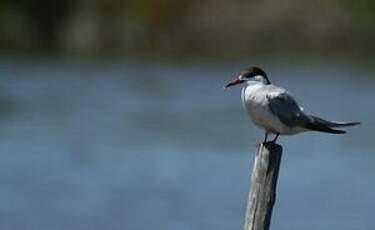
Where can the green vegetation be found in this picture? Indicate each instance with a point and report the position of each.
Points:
(196, 28)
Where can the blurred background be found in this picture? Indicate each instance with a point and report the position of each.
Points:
(113, 116)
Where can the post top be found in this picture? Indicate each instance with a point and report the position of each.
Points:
(271, 146)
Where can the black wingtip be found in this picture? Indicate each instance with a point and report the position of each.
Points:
(345, 124)
(354, 123)
(316, 126)
(336, 131)
(332, 124)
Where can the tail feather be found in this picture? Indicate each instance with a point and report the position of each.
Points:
(315, 126)
(321, 125)
(334, 124)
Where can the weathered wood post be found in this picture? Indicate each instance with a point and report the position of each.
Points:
(263, 186)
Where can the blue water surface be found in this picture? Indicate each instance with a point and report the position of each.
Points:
(137, 145)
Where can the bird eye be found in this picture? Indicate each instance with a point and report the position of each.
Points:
(245, 76)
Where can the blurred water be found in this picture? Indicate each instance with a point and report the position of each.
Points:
(137, 145)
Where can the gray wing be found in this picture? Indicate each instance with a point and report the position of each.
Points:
(287, 110)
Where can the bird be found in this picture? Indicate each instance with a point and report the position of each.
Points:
(274, 109)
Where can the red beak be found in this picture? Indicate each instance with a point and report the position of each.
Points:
(234, 82)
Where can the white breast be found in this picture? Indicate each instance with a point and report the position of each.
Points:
(255, 102)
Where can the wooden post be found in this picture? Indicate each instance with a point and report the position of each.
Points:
(263, 187)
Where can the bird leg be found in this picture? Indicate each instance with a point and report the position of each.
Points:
(265, 137)
(274, 140)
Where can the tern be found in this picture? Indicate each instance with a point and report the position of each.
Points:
(272, 108)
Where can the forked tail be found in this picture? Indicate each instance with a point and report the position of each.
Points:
(321, 125)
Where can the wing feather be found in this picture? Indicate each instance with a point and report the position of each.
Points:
(287, 110)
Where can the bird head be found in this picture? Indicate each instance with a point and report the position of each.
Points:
(252, 74)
